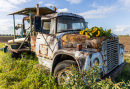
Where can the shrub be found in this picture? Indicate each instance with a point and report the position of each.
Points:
(96, 32)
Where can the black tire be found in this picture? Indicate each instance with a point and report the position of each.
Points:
(62, 69)
(13, 54)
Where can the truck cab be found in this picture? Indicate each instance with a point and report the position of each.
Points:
(53, 29)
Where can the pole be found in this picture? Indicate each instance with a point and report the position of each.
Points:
(30, 23)
(14, 26)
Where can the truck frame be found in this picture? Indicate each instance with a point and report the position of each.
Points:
(55, 38)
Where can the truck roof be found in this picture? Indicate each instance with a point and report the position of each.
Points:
(26, 11)
(52, 15)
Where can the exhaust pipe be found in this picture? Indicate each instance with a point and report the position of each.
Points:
(37, 7)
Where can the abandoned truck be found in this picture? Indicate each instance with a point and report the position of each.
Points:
(55, 39)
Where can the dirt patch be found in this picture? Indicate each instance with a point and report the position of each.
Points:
(126, 42)
(127, 54)
(5, 39)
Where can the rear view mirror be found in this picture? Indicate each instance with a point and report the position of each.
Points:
(37, 24)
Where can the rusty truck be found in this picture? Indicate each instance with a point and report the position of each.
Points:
(55, 39)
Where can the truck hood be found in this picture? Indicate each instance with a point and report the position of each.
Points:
(71, 40)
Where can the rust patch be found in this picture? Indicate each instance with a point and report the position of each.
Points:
(33, 43)
(43, 50)
(71, 40)
(105, 55)
(79, 56)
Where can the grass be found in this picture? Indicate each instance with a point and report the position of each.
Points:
(25, 73)
(1, 45)
(125, 75)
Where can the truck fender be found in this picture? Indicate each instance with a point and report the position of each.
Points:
(57, 58)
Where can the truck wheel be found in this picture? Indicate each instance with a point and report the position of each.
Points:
(13, 54)
(63, 71)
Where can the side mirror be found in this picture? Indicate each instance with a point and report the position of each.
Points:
(18, 26)
(86, 24)
(37, 24)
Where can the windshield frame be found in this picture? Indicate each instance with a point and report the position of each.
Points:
(69, 29)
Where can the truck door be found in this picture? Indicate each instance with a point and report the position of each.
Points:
(46, 43)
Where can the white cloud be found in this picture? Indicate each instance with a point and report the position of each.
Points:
(9, 5)
(5, 6)
(7, 27)
(63, 10)
(40, 2)
(126, 3)
(74, 1)
(100, 12)
(122, 30)
(48, 5)
(94, 4)
(18, 1)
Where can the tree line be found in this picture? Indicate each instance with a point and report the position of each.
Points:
(6, 34)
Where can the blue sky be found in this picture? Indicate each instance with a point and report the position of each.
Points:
(114, 14)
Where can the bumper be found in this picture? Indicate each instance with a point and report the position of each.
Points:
(116, 72)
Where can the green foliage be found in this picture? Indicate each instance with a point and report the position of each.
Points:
(1, 45)
(96, 32)
(26, 73)
(125, 75)
(87, 79)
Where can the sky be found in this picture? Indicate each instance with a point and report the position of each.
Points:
(109, 14)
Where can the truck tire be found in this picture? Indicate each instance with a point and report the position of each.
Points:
(63, 71)
(13, 54)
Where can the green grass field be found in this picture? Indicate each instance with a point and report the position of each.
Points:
(25, 73)
(1, 45)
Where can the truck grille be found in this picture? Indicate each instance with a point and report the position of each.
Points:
(112, 54)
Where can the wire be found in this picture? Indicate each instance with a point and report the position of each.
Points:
(45, 39)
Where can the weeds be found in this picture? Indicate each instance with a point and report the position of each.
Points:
(21, 73)
(1, 45)
(87, 79)
(25, 73)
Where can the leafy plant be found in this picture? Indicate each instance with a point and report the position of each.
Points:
(96, 32)
(87, 79)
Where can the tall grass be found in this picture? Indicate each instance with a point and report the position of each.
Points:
(125, 75)
(1, 45)
(26, 73)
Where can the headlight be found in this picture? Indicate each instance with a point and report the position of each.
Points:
(96, 60)
(93, 58)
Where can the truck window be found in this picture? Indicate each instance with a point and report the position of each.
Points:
(46, 27)
(62, 26)
(70, 23)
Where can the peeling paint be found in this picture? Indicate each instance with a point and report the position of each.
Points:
(71, 40)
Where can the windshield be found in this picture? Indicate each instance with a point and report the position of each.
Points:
(70, 23)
